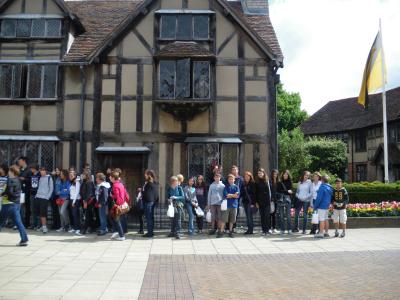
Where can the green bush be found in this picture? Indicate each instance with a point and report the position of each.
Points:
(368, 192)
(371, 192)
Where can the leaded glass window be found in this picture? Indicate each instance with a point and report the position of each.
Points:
(24, 28)
(167, 79)
(38, 28)
(201, 79)
(8, 28)
(53, 28)
(42, 153)
(35, 81)
(168, 27)
(204, 157)
(49, 81)
(183, 79)
(5, 81)
(184, 27)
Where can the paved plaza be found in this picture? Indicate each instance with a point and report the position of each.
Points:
(364, 265)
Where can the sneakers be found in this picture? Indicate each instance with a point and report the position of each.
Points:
(60, 230)
(148, 235)
(212, 232)
(276, 231)
(285, 232)
(219, 235)
(120, 238)
(264, 234)
(326, 235)
(71, 231)
(295, 230)
(343, 234)
(336, 233)
(22, 244)
(319, 236)
(38, 229)
(114, 235)
(45, 230)
(178, 237)
(100, 233)
(304, 232)
(231, 234)
(78, 232)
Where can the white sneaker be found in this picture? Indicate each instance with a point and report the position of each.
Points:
(276, 231)
(114, 235)
(270, 231)
(120, 238)
(71, 231)
(45, 230)
(39, 229)
(286, 232)
(60, 230)
(319, 236)
(78, 232)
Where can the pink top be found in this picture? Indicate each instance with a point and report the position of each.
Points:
(118, 193)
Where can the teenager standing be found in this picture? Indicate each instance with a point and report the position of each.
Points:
(274, 183)
(150, 197)
(263, 200)
(248, 200)
(304, 194)
(285, 202)
(43, 196)
(11, 205)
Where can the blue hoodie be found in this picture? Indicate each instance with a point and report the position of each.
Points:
(324, 197)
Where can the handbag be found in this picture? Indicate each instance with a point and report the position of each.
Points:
(224, 205)
(122, 209)
(171, 211)
(208, 217)
(315, 219)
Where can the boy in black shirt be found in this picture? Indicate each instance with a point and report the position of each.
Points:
(340, 199)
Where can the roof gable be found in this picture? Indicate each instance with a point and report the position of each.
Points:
(106, 20)
(346, 114)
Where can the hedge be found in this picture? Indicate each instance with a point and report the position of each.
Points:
(369, 192)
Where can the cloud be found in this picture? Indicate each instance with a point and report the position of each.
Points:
(326, 44)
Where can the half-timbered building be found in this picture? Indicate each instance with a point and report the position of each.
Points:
(173, 85)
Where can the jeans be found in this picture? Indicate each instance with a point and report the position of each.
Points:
(249, 217)
(103, 217)
(116, 223)
(149, 212)
(265, 214)
(124, 223)
(273, 218)
(189, 208)
(55, 214)
(284, 211)
(178, 220)
(89, 218)
(304, 206)
(76, 217)
(13, 211)
(64, 214)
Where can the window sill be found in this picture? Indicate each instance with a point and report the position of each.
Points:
(25, 101)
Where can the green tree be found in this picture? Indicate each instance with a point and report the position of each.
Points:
(327, 154)
(293, 155)
(290, 114)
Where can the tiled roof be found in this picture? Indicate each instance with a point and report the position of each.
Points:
(101, 19)
(262, 27)
(346, 115)
(184, 49)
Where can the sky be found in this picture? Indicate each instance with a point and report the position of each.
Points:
(326, 45)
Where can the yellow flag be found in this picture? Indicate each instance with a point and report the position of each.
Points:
(373, 78)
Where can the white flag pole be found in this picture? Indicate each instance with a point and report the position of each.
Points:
(385, 131)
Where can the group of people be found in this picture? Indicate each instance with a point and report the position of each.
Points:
(85, 203)
(79, 204)
(271, 196)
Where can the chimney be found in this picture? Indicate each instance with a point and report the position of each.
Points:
(255, 7)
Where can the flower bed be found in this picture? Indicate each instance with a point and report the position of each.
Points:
(382, 209)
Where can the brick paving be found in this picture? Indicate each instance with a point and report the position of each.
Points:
(323, 275)
(65, 266)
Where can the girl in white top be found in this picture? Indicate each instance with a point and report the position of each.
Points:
(316, 183)
(74, 197)
(304, 194)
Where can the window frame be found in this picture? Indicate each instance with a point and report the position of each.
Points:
(192, 79)
(176, 38)
(28, 83)
(31, 36)
(360, 147)
(221, 155)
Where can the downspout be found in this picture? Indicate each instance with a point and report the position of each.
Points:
(353, 137)
(82, 116)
